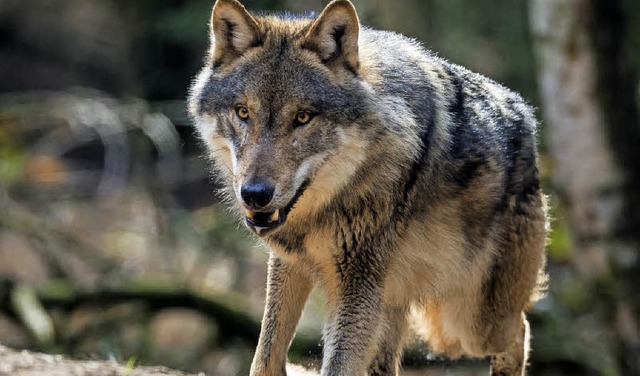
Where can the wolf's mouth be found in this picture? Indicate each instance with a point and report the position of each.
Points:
(264, 222)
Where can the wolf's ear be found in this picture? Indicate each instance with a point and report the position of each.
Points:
(334, 34)
(233, 30)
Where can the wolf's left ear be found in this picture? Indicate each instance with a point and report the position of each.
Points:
(334, 34)
(233, 30)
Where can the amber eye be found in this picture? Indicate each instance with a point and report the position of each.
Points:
(303, 117)
(242, 112)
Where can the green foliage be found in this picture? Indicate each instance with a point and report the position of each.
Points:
(130, 364)
(12, 162)
(560, 246)
(12, 154)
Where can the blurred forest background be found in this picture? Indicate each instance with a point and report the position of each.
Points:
(112, 243)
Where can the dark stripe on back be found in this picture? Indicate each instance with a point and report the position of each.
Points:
(425, 138)
(468, 148)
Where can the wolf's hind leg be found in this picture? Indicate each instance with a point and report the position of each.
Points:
(513, 361)
(387, 359)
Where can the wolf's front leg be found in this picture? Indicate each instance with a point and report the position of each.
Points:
(287, 291)
(393, 331)
(352, 329)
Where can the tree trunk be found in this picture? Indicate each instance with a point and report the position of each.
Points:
(593, 133)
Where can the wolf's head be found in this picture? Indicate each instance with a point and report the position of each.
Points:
(281, 108)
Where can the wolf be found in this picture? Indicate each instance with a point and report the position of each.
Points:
(399, 183)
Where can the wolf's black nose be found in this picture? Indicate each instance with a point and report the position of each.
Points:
(257, 195)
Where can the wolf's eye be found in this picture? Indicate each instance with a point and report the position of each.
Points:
(242, 112)
(303, 117)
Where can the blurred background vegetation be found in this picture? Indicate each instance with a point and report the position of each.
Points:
(112, 242)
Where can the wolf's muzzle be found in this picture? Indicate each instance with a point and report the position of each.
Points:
(264, 222)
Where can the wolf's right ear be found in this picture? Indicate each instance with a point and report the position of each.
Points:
(233, 31)
(334, 34)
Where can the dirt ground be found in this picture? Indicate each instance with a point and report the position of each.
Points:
(25, 363)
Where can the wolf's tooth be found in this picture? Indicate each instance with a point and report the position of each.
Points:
(274, 217)
(250, 214)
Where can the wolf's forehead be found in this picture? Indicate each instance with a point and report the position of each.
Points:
(272, 77)
(282, 77)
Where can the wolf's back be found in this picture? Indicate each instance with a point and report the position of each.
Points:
(463, 121)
